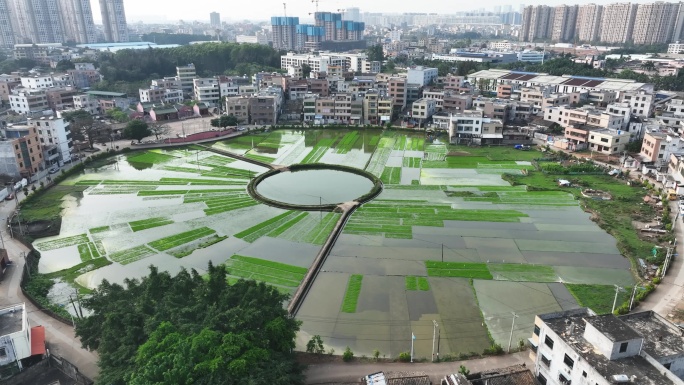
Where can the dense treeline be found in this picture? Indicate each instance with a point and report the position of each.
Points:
(188, 329)
(174, 38)
(210, 59)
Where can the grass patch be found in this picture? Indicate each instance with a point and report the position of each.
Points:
(63, 242)
(458, 269)
(90, 250)
(417, 283)
(347, 142)
(100, 229)
(598, 298)
(274, 226)
(391, 175)
(172, 241)
(411, 162)
(149, 223)
(133, 254)
(523, 272)
(274, 273)
(149, 157)
(49, 205)
(351, 296)
(260, 158)
(180, 253)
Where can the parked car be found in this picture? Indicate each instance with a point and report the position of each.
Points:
(53, 170)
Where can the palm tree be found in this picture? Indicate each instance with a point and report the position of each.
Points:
(648, 66)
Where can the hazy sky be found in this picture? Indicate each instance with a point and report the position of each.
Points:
(231, 10)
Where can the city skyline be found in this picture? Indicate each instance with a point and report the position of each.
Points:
(148, 11)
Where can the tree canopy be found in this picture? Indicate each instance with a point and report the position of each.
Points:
(209, 59)
(224, 121)
(190, 330)
(137, 130)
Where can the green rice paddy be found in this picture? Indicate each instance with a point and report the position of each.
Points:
(149, 223)
(172, 241)
(131, 255)
(272, 227)
(270, 272)
(351, 295)
(63, 242)
(150, 157)
(458, 269)
(598, 298)
(391, 175)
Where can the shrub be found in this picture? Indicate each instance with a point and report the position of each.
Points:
(376, 354)
(348, 355)
(656, 280)
(405, 357)
(463, 370)
(315, 345)
(493, 350)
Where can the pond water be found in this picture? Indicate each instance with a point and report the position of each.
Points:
(314, 187)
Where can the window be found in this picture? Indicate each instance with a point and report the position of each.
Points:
(545, 361)
(541, 378)
(568, 361)
(623, 347)
(548, 342)
(536, 330)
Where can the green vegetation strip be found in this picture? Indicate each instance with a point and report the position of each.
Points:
(100, 229)
(458, 269)
(172, 241)
(69, 275)
(391, 175)
(417, 283)
(315, 155)
(133, 254)
(90, 250)
(598, 298)
(274, 226)
(347, 142)
(351, 296)
(184, 252)
(149, 223)
(150, 157)
(411, 162)
(260, 158)
(274, 273)
(522, 272)
(63, 242)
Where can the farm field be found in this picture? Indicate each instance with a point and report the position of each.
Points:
(448, 226)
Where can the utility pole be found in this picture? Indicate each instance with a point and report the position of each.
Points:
(510, 339)
(413, 338)
(442, 252)
(667, 261)
(617, 290)
(631, 301)
(434, 335)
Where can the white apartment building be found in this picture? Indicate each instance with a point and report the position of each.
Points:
(675, 107)
(16, 339)
(35, 82)
(501, 45)
(161, 95)
(87, 103)
(657, 146)
(167, 82)
(421, 75)
(370, 66)
(185, 75)
(437, 96)
(319, 62)
(206, 90)
(641, 102)
(62, 80)
(579, 347)
(229, 89)
(28, 101)
(55, 139)
(423, 109)
(622, 109)
(608, 141)
(568, 116)
(472, 127)
(675, 47)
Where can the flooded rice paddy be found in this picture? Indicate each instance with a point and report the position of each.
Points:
(448, 240)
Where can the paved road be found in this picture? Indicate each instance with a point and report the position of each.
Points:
(346, 372)
(60, 337)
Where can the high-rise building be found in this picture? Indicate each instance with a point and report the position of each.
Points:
(564, 22)
(352, 14)
(617, 22)
(284, 32)
(38, 21)
(114, 20)
(77, 18)
(6, 30)
(215, 19)
(537, 23)
(328, 21)
(655, 23)
(589, 22)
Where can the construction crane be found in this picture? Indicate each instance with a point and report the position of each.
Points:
(316, 2)
(285, 9)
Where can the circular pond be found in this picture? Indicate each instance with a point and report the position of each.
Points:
(314, 187)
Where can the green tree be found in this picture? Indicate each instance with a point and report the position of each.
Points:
(348, 355)
(159, 129)
(85, 128)
(64, 65)
(190, 330)
(315, 345)
(137, 130)
(224, 121)
(306, 70)
(375, 53)
(118, 115)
